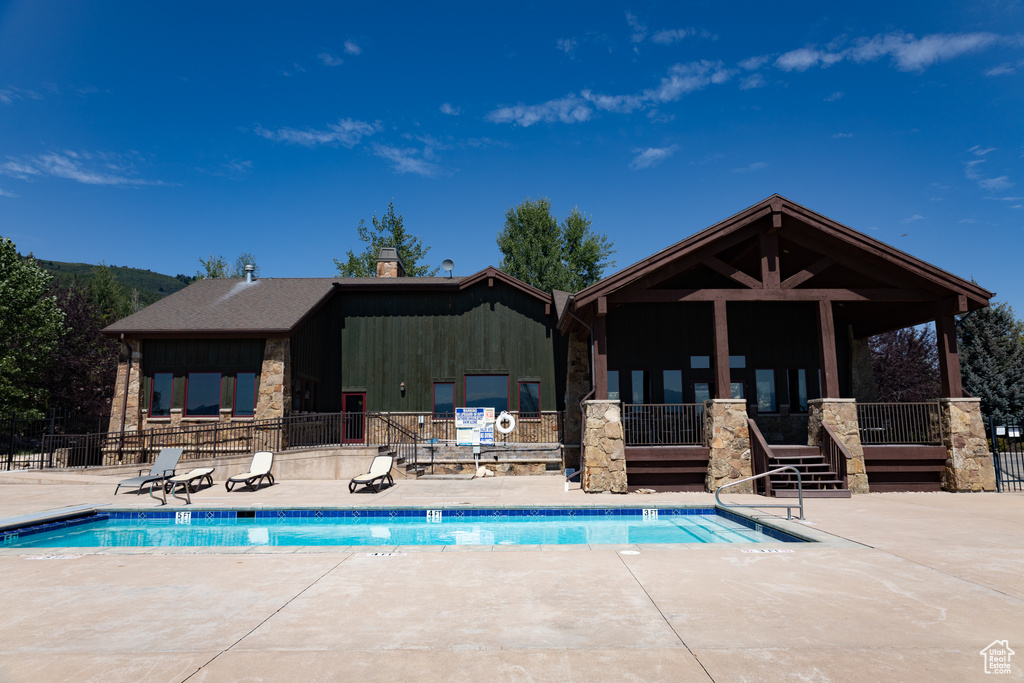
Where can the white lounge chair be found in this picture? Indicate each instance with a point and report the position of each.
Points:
(259, 469)
(193, 477)
(380, 470)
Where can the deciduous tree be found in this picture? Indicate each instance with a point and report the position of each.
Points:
(539, 251)
(32, 325)
(905, 365)
(388, 231)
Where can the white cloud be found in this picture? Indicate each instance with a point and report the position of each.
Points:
(569, 109)
(5, 193)
(672, 35)
(754, 63)
(1002, 70)
(980, 151)
(352, 49)
(994, 184)
(567, 45)
(911, 219)
(756, 166)
(914, 54)
(450, 109)
(646, 158)
(88, 168)
(330, 60)
(406, 160)
(639, 30)
(839, 136)
(686, 78)
(346, 132)
(834, 97)
(10, 95)
(622, 104)
(798, 60)
(752, 81)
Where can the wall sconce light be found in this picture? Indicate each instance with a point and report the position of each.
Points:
(401, 388)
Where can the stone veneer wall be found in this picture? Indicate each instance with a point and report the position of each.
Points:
(274, 398)
(968, 459)
(131, 422)
(841, 415)
(604, 450)
(577, 385)
(727, 434)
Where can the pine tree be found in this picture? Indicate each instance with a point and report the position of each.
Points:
(991, 342)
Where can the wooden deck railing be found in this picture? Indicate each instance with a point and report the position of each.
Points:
(834, 452)
(760, 457)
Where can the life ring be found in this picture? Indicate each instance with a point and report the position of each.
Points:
(505, 423)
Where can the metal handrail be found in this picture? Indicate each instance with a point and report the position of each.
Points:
(789, 508)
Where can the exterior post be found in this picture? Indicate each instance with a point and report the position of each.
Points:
(130, 364)
(841, 415)
(604, 454)
(274, 398)
(600, 343)
(949, 357)
(968, 460)
(577, 385)
(723, 383)
(727, 434)
(827, 351)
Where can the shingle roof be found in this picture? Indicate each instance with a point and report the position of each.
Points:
(234, 306)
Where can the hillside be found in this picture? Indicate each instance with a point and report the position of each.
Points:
(152, 286)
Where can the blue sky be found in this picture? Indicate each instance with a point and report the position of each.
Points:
(151, 134)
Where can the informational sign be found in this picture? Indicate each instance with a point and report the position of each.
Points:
(474, 426)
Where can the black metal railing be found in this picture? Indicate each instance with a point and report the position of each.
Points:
(665, 424)
(402, 433)
(1007, 436)
(22, 436)
(900, 423)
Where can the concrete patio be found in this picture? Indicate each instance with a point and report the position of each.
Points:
(920, 585)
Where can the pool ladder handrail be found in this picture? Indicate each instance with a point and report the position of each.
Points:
(789, 508)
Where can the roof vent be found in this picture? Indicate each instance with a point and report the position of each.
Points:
(248, 271)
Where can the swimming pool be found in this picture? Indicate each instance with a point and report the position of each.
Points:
(395, 527)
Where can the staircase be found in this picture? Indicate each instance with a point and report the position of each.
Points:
(818, 479)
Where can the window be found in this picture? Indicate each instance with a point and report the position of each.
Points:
(737, 361)
(245, 394)
(700, 362)
(529, 400)
(701, 392)
(798, 390)
(444, 400)
(765, 381)
(487, 391)
(639, 390)
(673, 380)
(160, 397)
(613, 385)
(737, 390)
(202, 394)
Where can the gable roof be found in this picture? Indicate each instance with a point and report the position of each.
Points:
(263, 307)
(854, 244)
(276, 306)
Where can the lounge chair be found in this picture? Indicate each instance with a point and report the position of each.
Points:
(163, 469)
(186, 481)
(259, 469)
(380, 470)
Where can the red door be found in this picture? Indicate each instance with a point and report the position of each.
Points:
(354, 418)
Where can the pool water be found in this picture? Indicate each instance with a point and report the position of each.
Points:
(395, 527)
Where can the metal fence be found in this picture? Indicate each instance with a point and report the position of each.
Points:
(405, 433)
(900, 423)
(663, 424)
(1008, 453)
(22, 436)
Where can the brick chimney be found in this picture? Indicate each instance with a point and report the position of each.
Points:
(389, 263)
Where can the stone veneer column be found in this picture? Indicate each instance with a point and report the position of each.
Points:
(727, 434)
(968, 459)
(577, 384)
(274, 399)
(131, 422)
(841, 415)
(604, 451)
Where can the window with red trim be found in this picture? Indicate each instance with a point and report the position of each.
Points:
(529, 400)
(202, 394)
